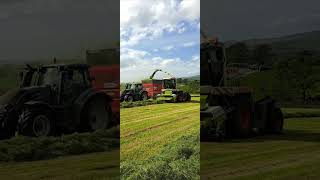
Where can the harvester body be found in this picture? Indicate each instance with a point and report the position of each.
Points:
(230, 111)
(168, 91)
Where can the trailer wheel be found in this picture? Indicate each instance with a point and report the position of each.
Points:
(99, 114)
(36, 122)
(144, 96)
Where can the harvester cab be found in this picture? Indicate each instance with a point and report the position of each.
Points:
(134, 92)
(230, 111)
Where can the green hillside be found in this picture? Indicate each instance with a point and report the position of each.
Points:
(291, 43)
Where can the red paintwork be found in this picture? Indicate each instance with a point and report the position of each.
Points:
(153, 88)
(107, 79)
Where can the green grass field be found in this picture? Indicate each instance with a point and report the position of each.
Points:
(156, 132)
(292, 155)
(91, 166)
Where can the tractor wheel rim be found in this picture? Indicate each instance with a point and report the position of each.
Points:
(41, 126)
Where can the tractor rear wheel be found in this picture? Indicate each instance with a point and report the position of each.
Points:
(36, 122)
(99, 114)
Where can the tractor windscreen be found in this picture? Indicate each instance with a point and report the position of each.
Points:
(169, 84)
(128, 86)
(49, 76)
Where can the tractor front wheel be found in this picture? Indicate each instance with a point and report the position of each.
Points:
(36, 122)
(129, 98)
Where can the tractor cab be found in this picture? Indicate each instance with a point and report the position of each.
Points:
(136, 87)
(63, 82)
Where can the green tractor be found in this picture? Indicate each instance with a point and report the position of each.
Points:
(169, 92)
(134, 92)
(52, 100)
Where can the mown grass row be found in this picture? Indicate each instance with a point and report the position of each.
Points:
(301, 112)
(159, 142)
(30, 149)
(178, 160)
(140, 103)
(144, 136)
(194, 98)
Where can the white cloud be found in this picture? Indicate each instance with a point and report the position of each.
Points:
(145, 19)
(189, 44)
(168, 48)
(142, 20)
(137, 65)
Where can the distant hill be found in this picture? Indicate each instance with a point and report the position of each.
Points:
(289, 44)
(197, 77)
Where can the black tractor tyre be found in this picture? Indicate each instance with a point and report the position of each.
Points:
(98, 115)
(180, 97)
(276, 121)
(36, 122)
(188, 97)
(129, 98)
(144, 96)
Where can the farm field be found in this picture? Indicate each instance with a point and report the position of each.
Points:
(292, 155)
(161, 131)
(90, 166)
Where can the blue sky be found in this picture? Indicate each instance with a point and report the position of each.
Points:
(159, 34)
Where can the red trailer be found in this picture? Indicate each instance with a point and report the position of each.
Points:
(105, 71)
(153, 87)
(107, 79)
